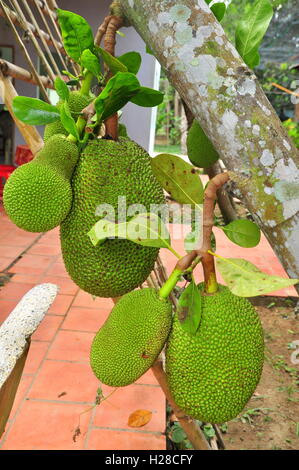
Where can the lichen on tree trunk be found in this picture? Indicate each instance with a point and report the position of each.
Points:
(226, 98)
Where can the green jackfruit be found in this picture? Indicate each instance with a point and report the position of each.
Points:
(213, 373)
(201, 152)
(38, 195)
(105, 171)
(76, 103)
(131, 338)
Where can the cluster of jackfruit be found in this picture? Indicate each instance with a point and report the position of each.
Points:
(132, 337)
(107, 170)
(211, 374)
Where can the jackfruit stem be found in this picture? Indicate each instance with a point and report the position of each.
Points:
(170, 284)
(80, 124)
(86, 84)
(184, 264)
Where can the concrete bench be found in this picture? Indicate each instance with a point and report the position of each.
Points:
(15, 334)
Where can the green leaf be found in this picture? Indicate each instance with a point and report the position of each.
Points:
(76, 33)
(118, 91)
(68, 121)
(246, 280)
(34, 111)
(243, 232)
(189, 308)
(132, 60)
(113, 63)
(251, 29)
(91, 62)
(144, 229)
(61, 89)
(219, 10)
(178, 435)
(178, 178)
(147, 97)
(209, 431)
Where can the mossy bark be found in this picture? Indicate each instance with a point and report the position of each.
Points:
(226, 98)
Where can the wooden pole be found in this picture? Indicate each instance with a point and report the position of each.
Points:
(30, 134)
(53, 40)
(24, 50)
(47, 49)
(14, 18)
(11, 70)
(39, 51)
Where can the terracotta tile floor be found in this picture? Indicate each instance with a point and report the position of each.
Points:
(58, 388)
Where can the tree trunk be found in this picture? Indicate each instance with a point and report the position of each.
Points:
(226, 98)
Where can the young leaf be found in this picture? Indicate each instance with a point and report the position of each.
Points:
(68, 121)
(189, 308)
(251, 29)
(118, 91)
(143, 229)
(113, 63)
(243, 232)
(76, 33)
(34, 111)
(147, 97)
(178, 178)
(132, 60)
(178, 435)
(219, 10)
(246, 280)
(91, 62)
(61, 89)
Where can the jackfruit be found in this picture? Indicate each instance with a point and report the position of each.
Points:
(106, 171)
(213, 373)
(201, 152)
(76, 103)
(38, 195)
(131, 338)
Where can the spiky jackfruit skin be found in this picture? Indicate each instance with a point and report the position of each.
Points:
(76, 103)
(105, 171)
(213, 374)
(38, 195)
(131, 338)
(201, 152)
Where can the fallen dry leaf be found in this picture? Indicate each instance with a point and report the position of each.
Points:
(139, 418)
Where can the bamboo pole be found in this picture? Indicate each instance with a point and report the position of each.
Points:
(24, 50)
(30, 133)
(11, 70)
(54, 42)
(42, 6)
(34, 22)
(38, 49)
(15, 20)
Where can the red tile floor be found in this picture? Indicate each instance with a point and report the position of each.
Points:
(58, 388)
